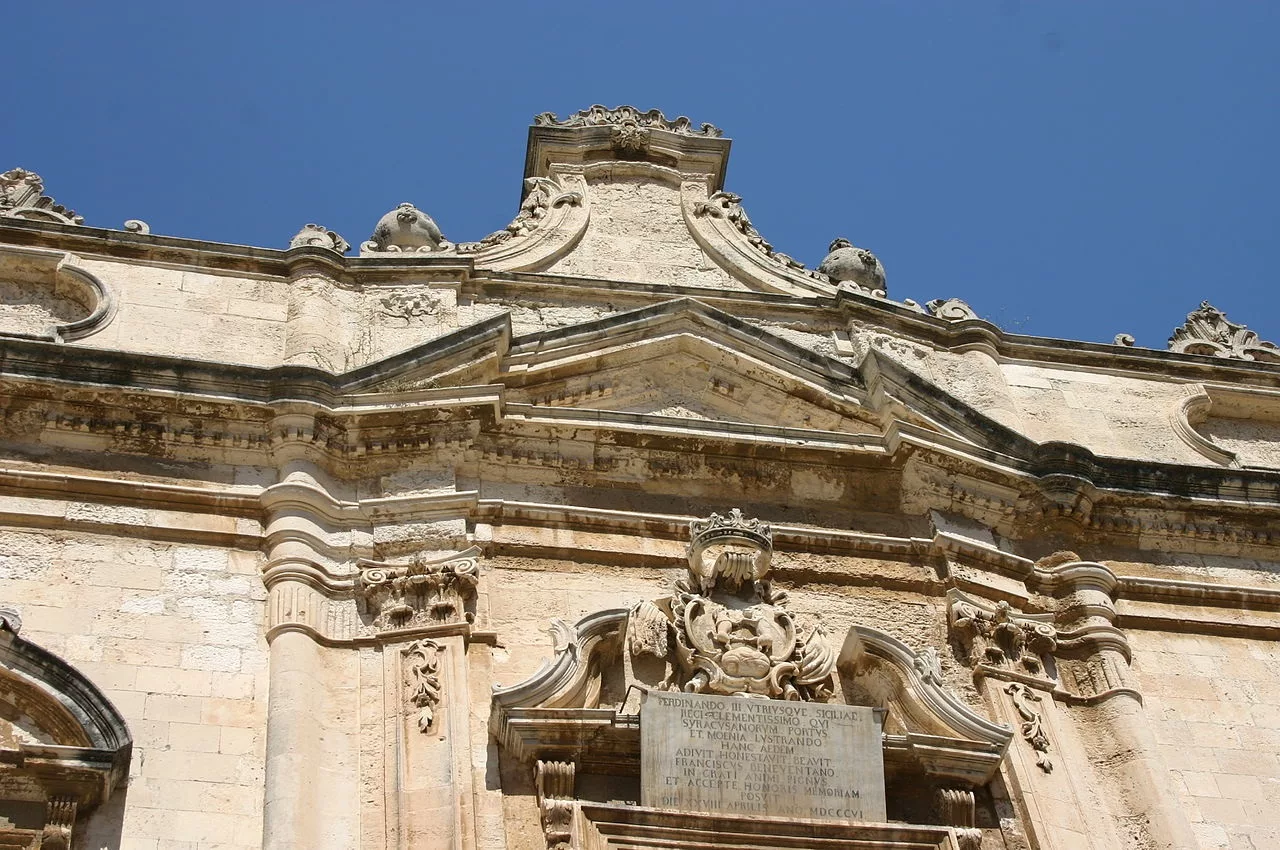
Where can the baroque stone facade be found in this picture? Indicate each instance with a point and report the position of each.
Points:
(306, 549)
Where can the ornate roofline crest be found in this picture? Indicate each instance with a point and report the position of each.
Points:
(21, 196)
(1208, 331)
(629, 117)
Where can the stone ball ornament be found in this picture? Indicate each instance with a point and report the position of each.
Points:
(846, 263)
(406, 229)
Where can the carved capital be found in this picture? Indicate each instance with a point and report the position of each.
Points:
(420, 593)
(997, 636)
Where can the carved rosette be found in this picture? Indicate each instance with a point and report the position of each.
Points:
(418, 594)
(542, 194)
(726, 629)
(1207, 331)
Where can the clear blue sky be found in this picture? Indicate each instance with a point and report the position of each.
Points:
(1072, 169)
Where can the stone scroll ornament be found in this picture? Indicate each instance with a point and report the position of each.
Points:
(1207, 331)
(542, 194)
(726, 630)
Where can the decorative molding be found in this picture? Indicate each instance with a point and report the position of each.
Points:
(319, 236)
(1024, 699)
(21, 196)
(627, 117)
(1208, 332)
(425, 592)
(1192, 410)
(406, 229)
(422, 663)
(61, 273)
(541, 195)
(572, 678)
(553, 783)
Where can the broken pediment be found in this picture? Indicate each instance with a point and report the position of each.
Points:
(727, 631)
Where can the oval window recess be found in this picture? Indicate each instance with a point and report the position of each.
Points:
(47, 295)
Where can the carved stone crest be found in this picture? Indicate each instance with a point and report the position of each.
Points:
(1207, 331)
(726, 630)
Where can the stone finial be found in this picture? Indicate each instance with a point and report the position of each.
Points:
(845, 263)
(1207, 331)
(319, 236)
(406, 228)
(21, 197)
(635, 123)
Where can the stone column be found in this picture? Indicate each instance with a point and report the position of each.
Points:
(315, 333)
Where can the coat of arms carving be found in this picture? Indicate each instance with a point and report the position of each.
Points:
(726, 629)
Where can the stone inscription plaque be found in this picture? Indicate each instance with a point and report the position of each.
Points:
(743, 756)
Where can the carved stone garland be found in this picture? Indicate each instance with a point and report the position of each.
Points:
(1207, 331)
(727, 629)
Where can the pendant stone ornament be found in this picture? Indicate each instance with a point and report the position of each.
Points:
(733, 633)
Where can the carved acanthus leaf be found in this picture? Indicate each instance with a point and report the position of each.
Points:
(541, 195)
(1207, 331)
(21, 197)
(598, 116)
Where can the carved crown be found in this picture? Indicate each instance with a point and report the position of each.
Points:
(717, 528)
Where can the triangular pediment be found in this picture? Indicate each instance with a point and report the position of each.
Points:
(685, 360)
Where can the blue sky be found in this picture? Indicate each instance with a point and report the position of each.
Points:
(1071, 169)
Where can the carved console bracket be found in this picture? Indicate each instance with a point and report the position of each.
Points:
(553, 782)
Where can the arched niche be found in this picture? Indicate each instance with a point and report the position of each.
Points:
(48, 295)
(65, 746)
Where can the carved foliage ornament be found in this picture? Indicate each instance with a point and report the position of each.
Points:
(422, 663)
(726, 629)
(728, 206)
(420, 593)
(1207, 331)
(21, 196)
(627, 116)
(1024, 702)
(541, 195)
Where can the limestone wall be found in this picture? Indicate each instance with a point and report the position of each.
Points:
(1214, 705)
(173, 635)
